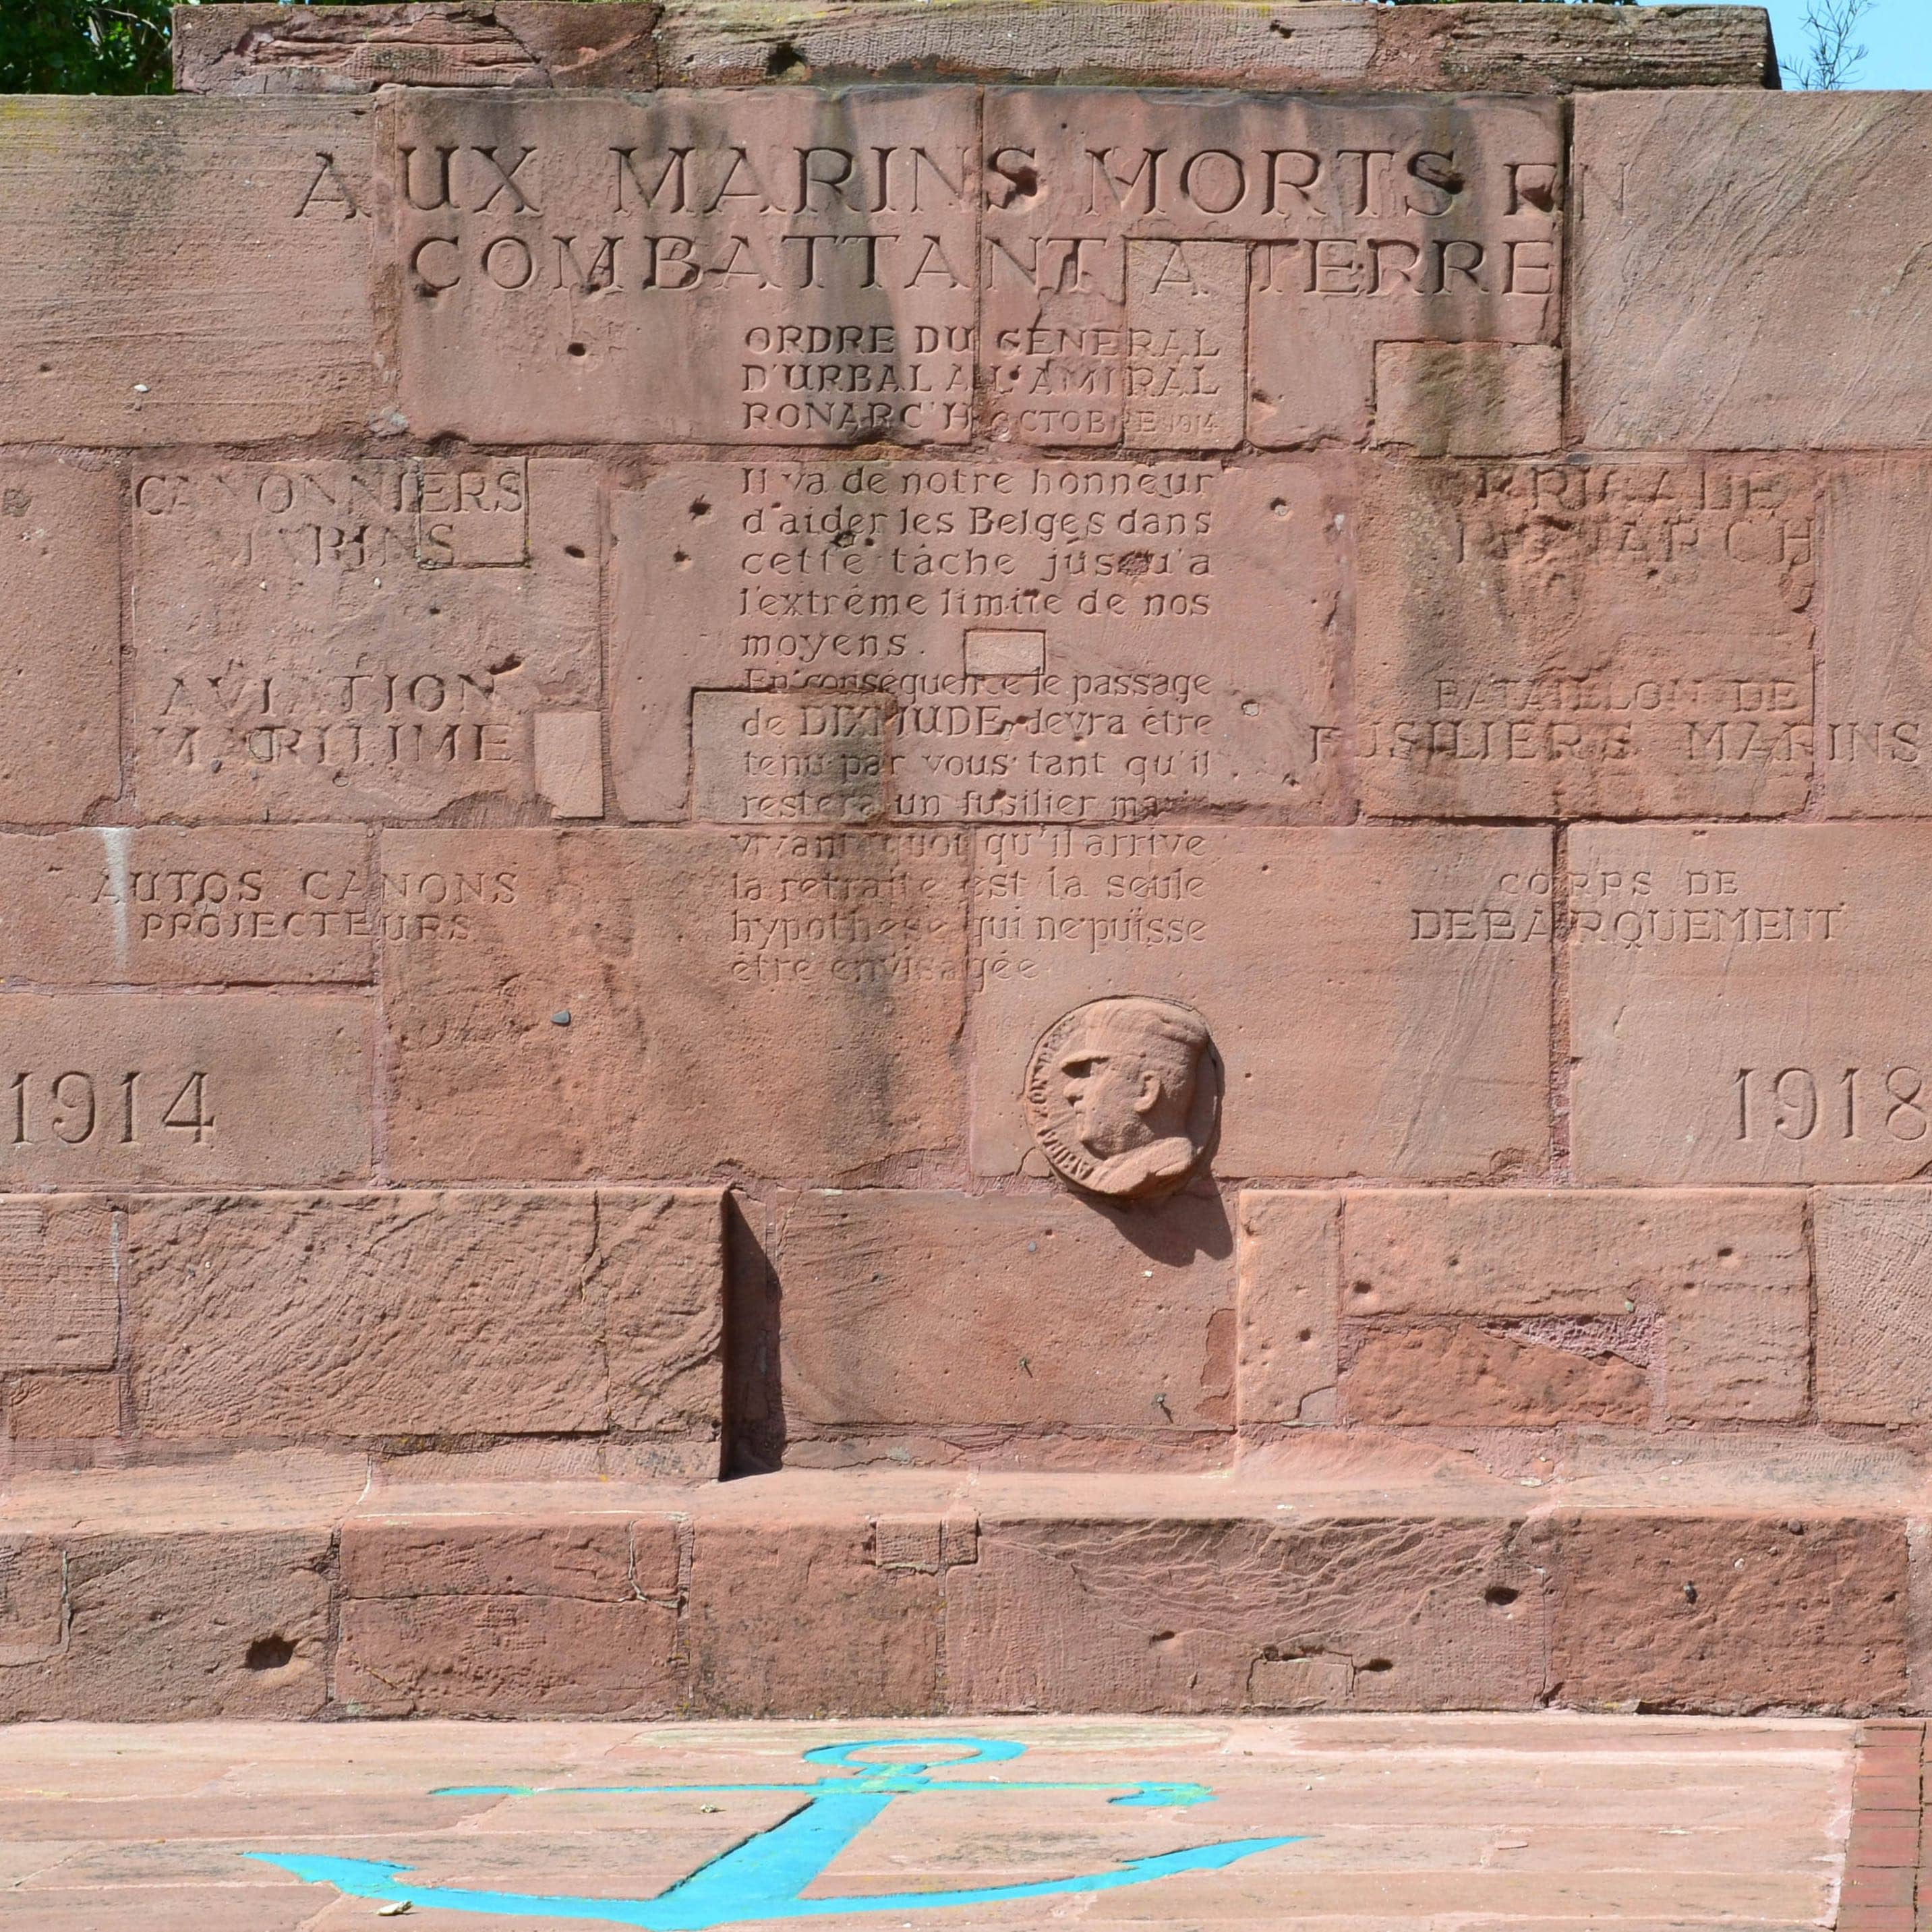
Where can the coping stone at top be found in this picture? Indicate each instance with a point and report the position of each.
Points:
(1276, 45)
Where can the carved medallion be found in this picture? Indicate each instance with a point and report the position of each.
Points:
(1123, 1096)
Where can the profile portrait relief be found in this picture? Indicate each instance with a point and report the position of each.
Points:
(1123, 1096)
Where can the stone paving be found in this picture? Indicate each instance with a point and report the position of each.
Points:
(1446, 1824)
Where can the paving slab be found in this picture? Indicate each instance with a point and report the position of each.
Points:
(1343, 1824)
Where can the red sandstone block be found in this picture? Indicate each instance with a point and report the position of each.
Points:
(1854, 1918)
(1035, 695)
(1463, 1375)
(832, 963)
(274, 49)
(1182, 1615)
(193, 271)
(193, 1623)
(1166, 320)
(183, 1088)
(63, 1408)
(60, 623)
(1492, 399)
(924, 1308)
(1873, 1320)
(1289, 1287)
(1727, 1612)
(508, 1619)
(419, 1312)
(377, 639)
(1873, 1846)
(1612, 639)
(158, 905)
(59, 1283)
(757, 1583)
(1867, 1887)
(1668, 341)
(498, 342)
(1373, 1045)
(1744, 1002)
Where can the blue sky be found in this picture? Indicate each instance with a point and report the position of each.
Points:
(1898, 34)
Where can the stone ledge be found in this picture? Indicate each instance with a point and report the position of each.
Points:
(1301, 46)
(1377, 1576)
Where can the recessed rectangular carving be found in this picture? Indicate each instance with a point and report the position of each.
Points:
(942, 641)
(164, 906)
(780, 266)
(1748, 1003)
(1379, 997)
(322, 639)
(59, 1282)
(267, 1089)
(1574, 640)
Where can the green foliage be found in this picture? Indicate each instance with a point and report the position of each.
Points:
(84, 47)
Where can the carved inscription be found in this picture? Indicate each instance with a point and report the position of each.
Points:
(1347, 1048)
(1177, 271)
(918, 641)
(557, 998)
(1749, 1003)
(335, 640)
(780, 266)
(248, 1088)
(1614, 638)
(159, 905)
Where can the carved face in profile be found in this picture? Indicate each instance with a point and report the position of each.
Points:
(1124, 1095)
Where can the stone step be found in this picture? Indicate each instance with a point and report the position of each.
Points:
(1723, 1576)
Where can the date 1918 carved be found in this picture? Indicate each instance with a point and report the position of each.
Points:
(1124, 1096)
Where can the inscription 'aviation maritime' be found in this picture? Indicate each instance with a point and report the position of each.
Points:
(765, 1877)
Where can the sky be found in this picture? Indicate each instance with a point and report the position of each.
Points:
(1897, 34)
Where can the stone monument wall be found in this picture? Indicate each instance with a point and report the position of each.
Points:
(1080, 739)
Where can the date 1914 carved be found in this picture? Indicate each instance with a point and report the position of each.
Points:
(1124, 1096)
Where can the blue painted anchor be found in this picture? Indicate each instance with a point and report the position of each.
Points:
(765, 1877)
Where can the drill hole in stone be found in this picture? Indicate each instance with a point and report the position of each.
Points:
(270, 1653)
(1501, 1595)
(578, 349)
(1379, 1665)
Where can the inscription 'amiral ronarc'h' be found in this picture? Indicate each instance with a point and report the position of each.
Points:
(765, 1877)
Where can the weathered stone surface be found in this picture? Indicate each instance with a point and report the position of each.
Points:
(1744, 271)
(256, 1088)
(1738, 1352)
(63, 1408)
(258, 49)
(423, 1313)
(1379, 996)
(510, 1619)
(372, 640)
(1290, 1287)
(757, 1583)
(1246, 43)
(1745, 1001)
(1617, 640)
(1874, 1320)
(1466, 1375)
(1184, 1616)
(785, 1002)
(59, 1282)
(1874, 630)
(772, 279)
(195, 1624)
(1727, 1615)
(924, 1308)
(158, 905)
(1128, 285)
(60, 627)
(189, 271)
(1493, 399)
(994, 641)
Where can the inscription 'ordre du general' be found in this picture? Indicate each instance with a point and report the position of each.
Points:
(1060, 267)
(938, 641)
